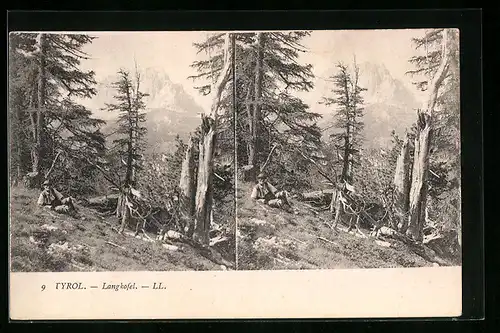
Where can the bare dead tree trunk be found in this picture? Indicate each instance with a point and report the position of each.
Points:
(338, 208)
(402, 184)
(204, 190)
(418, 191)
(119, 208)
(268, 159)
(204, 193)
(125, 211)
(47, 174)
(345, 173)
(187, 185)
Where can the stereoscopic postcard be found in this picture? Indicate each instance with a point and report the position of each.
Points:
(223, 175)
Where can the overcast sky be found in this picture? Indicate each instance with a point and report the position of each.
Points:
(173, 52)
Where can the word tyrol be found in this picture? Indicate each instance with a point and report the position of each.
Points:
(69, 285)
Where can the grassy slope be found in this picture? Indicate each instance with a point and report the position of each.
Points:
(300, 246)
(296, 235)
(92, 232)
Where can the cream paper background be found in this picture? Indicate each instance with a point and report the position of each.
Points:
(363, 293)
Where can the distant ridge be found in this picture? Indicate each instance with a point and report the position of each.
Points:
(170, 109)
(389, 105)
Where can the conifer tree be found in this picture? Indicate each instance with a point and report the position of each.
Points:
(267, 113)
(348, 118)
(129, 145)
(349, 122)
(19, 136)
(51, 81)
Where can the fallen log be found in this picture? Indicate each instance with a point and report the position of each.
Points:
(318, 197)
(170, 247)
(391, 233)
(382, 243)
(218, 240)
(116, 245)
(105, 201)
(326, 240)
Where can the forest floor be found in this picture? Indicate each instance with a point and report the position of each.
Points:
(44, 241)
(270, 238)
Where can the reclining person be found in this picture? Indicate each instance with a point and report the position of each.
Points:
(264, 192)
(53, 199)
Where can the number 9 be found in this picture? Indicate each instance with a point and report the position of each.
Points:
(43, 287)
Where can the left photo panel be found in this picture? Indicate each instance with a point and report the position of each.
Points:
(121, 152)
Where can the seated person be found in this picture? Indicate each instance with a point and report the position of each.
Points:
(53, 199)
(264, 192)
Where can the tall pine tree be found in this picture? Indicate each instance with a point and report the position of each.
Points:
(348, 118)
(51, 79)
(349, 122)
(267, 113)
(129, 145)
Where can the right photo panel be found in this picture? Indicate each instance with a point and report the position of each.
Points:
(348, 149)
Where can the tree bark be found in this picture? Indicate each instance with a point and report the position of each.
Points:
(204, 192)
(254, 149)
(402, 184)
(204, 189)
(419, 187)
(187, 185)
(135, 136)
(249, 169)
(38, 122)
(125, 213)
(418, 192)
(338, 209)
(119, 204)
(130, 151)
(347, 137)
(347, 158)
